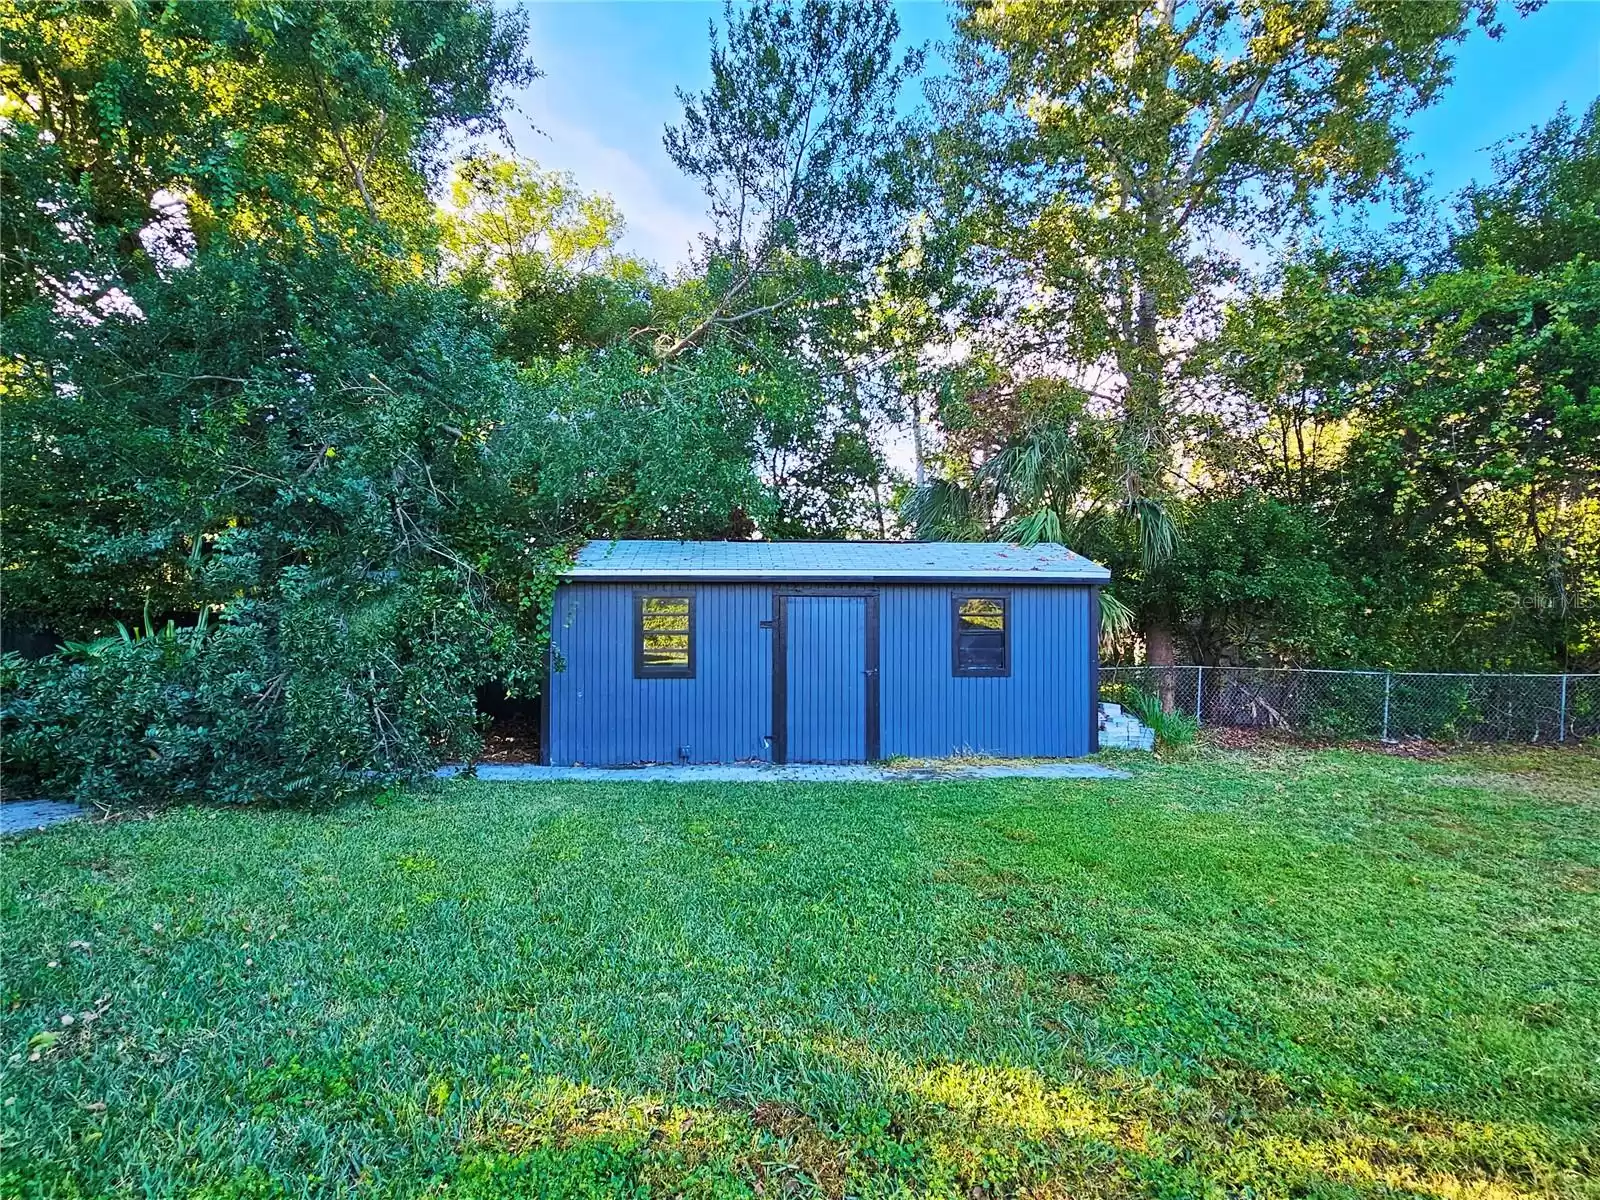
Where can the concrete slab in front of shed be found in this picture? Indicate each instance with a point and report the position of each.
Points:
(794, 773)
(25, 816)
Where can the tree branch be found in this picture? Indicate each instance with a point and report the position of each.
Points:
(338, 136)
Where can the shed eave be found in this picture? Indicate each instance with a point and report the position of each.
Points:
(987, 578)
(836, 562)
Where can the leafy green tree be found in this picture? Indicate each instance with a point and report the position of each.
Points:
(245, 115)
(796, 143)
(1540, 210)
(508, 217)
(237, 397)
(547, 252)
(1440, 423)
(1118, 150)
(280, 439)
(610, 445)
(1256, 581)
(177, 217)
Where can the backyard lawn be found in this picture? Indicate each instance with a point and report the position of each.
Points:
(1269, 972)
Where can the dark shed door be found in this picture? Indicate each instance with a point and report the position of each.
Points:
(827, 678)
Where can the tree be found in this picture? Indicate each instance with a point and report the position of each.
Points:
(1256, 581)
(188, 118)
(1539, 211)
(1116, 150)
(179, 217)
(508, 218)
(1028, 464)
(280, 440)
(610, 445)
(547, 253)
(1439, 419)
(237, 398)
(794, 143)
(1025, 476)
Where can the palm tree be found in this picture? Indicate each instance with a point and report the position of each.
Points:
(1047, 482)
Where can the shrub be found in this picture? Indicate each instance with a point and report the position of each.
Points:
(153, 720)
(323, 701)
(1437, 707)
(1172, 729)
(1341, 706)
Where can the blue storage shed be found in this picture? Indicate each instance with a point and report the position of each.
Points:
(706, 652)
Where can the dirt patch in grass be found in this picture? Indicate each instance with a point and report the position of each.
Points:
(971, 1131)
(774, 1147)
(511, 740)
(1582, 879)
(807, 1154)
(1556, 776)
(1227, 738)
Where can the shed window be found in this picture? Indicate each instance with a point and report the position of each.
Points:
(663, 643)
(982, 629)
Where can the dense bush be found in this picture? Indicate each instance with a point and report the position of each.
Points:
(244, 712)
(241, 380)
(1343, 706)
(152, 720)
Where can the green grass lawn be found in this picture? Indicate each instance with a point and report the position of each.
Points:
(1282, 973)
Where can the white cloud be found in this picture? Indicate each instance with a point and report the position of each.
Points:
(662, 226)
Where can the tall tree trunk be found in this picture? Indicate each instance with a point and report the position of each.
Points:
(1160, 652)
(1144, 442)
(916, 440)
(877, 475)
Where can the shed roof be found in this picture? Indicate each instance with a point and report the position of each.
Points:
(833, 562)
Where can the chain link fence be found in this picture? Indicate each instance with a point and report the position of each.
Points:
(1386, 705)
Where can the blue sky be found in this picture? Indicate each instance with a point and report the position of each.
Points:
(611, 69)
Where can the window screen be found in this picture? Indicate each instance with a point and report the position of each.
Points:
(664, 636)
(982, 635)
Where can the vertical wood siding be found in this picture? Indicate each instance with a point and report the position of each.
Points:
(1040, 710)
(600, 714)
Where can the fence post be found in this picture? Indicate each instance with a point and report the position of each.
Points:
(1388, 682)
(1199, 693)
(1561, 725)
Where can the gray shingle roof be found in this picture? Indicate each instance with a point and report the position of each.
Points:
(861, 562)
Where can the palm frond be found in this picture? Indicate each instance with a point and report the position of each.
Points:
(1029, 529)
(941, 511)
(1044, 460)
(1158, 536)
(1116, 618)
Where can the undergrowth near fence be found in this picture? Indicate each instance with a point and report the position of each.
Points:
(1372, 705)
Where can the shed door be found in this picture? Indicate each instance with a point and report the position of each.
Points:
(830, 679)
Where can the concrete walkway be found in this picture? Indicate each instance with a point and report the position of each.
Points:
(761, 773)
(24, 816)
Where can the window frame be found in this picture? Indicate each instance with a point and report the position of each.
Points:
(643, 670)
(970, 672)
